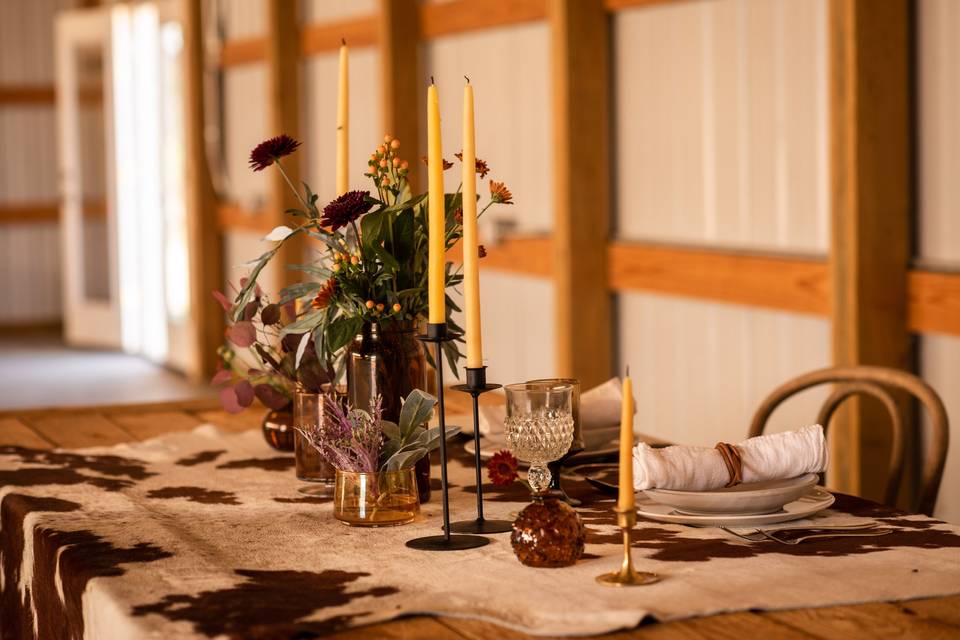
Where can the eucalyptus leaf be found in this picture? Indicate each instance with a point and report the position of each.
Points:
(417, 409)
(301, 348)
(304, 324)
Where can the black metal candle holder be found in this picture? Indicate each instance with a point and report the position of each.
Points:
(437, 334)
(476, 385)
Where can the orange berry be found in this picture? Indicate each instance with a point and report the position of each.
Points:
(396, 308)
(354, 260)
(395, 144)
(380, 307)
(369, 304)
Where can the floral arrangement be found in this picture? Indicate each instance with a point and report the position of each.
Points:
(374, 264)
(502, 468)
(258, 362)
(359, 441)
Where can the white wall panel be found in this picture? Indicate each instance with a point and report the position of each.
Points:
(940, 367)
(29, 253)
(938, 32)
(939, 132)
(326, 10)
(320, 74)
(701, 369)
(243, 18)
(721, 124)
(509, 69)
(246, 125)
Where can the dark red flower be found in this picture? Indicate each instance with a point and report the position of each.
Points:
(481, 251)
(502, 468)
(446, 163)
(345, 209)
(269, 151)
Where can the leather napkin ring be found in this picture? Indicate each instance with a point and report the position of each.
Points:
(733, 461)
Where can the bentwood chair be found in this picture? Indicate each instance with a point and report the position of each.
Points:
(876, 382)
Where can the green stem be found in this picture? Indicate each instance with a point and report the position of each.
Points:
(290, 184)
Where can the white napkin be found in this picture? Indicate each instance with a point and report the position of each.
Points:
(599, 414)
(771, 457)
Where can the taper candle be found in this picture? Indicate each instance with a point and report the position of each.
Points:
(471, 250)
(437, 244)
(625, 501)
(343, 122)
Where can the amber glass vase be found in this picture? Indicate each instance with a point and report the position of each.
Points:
(378, 499)
(277, 427)
(388, 360)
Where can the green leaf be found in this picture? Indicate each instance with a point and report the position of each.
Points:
(341, 331)
(298, 290)
(304, 324)
(417, 409)
(408, 204)
(390, 430)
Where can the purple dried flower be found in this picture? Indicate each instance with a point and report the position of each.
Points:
(350, 439)
(345, 209)
(269, 151)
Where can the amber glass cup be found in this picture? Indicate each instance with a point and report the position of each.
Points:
(378, 499)
(308, 411)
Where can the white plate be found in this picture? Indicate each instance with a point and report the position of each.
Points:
(813, 502)
(747, 499)
(490, 444)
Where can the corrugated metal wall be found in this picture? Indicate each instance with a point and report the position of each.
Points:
(29, 252)
(938, 224)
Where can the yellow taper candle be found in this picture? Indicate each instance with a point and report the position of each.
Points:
(343, 123)
(471, 251)
(626, 501)
(437, 245)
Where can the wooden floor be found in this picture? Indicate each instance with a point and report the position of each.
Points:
(927, 618)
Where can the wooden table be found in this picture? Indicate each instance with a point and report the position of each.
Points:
(98, 426)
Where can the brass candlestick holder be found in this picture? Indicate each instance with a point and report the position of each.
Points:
(627, 576)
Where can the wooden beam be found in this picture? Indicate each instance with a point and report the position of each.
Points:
(787, 284)
(934, 302)
(399, 37)
(203, 236)
(530, 256)
(27, 94)
(447, 18)
(233, 217)
(240, 51)
(46, 212)
(326, 37)
(871, 156)
(620, 5)
(283, 78)
(580, 71)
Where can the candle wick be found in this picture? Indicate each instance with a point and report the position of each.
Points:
(431, 80)
(628, 371)
(468, 79)
(343, 41)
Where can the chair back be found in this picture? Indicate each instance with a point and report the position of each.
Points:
(876, 382)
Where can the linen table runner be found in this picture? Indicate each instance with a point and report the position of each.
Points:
(202, 534)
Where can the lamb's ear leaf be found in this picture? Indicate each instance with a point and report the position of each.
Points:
(390, 430)
(417, 409)
(405, 459)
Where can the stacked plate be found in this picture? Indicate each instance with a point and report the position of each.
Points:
(751, 504)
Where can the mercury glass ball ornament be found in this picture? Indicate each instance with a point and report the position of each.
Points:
(548, 533)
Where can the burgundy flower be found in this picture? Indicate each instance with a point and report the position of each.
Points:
(269, 151)
(345, 209)
(480, 165)
(502, 468)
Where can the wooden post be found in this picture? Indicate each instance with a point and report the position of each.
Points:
(579, 33)
(205, 242)
(872, 151)
(401, 83)
(283, 72)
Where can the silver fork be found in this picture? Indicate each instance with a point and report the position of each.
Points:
(834, 531)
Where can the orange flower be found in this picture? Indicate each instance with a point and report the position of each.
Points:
(499, 193)
(446, 163)
(480, 165)
(502, 468)
(325, 294)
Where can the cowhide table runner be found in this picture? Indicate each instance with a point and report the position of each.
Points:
(204, 534)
